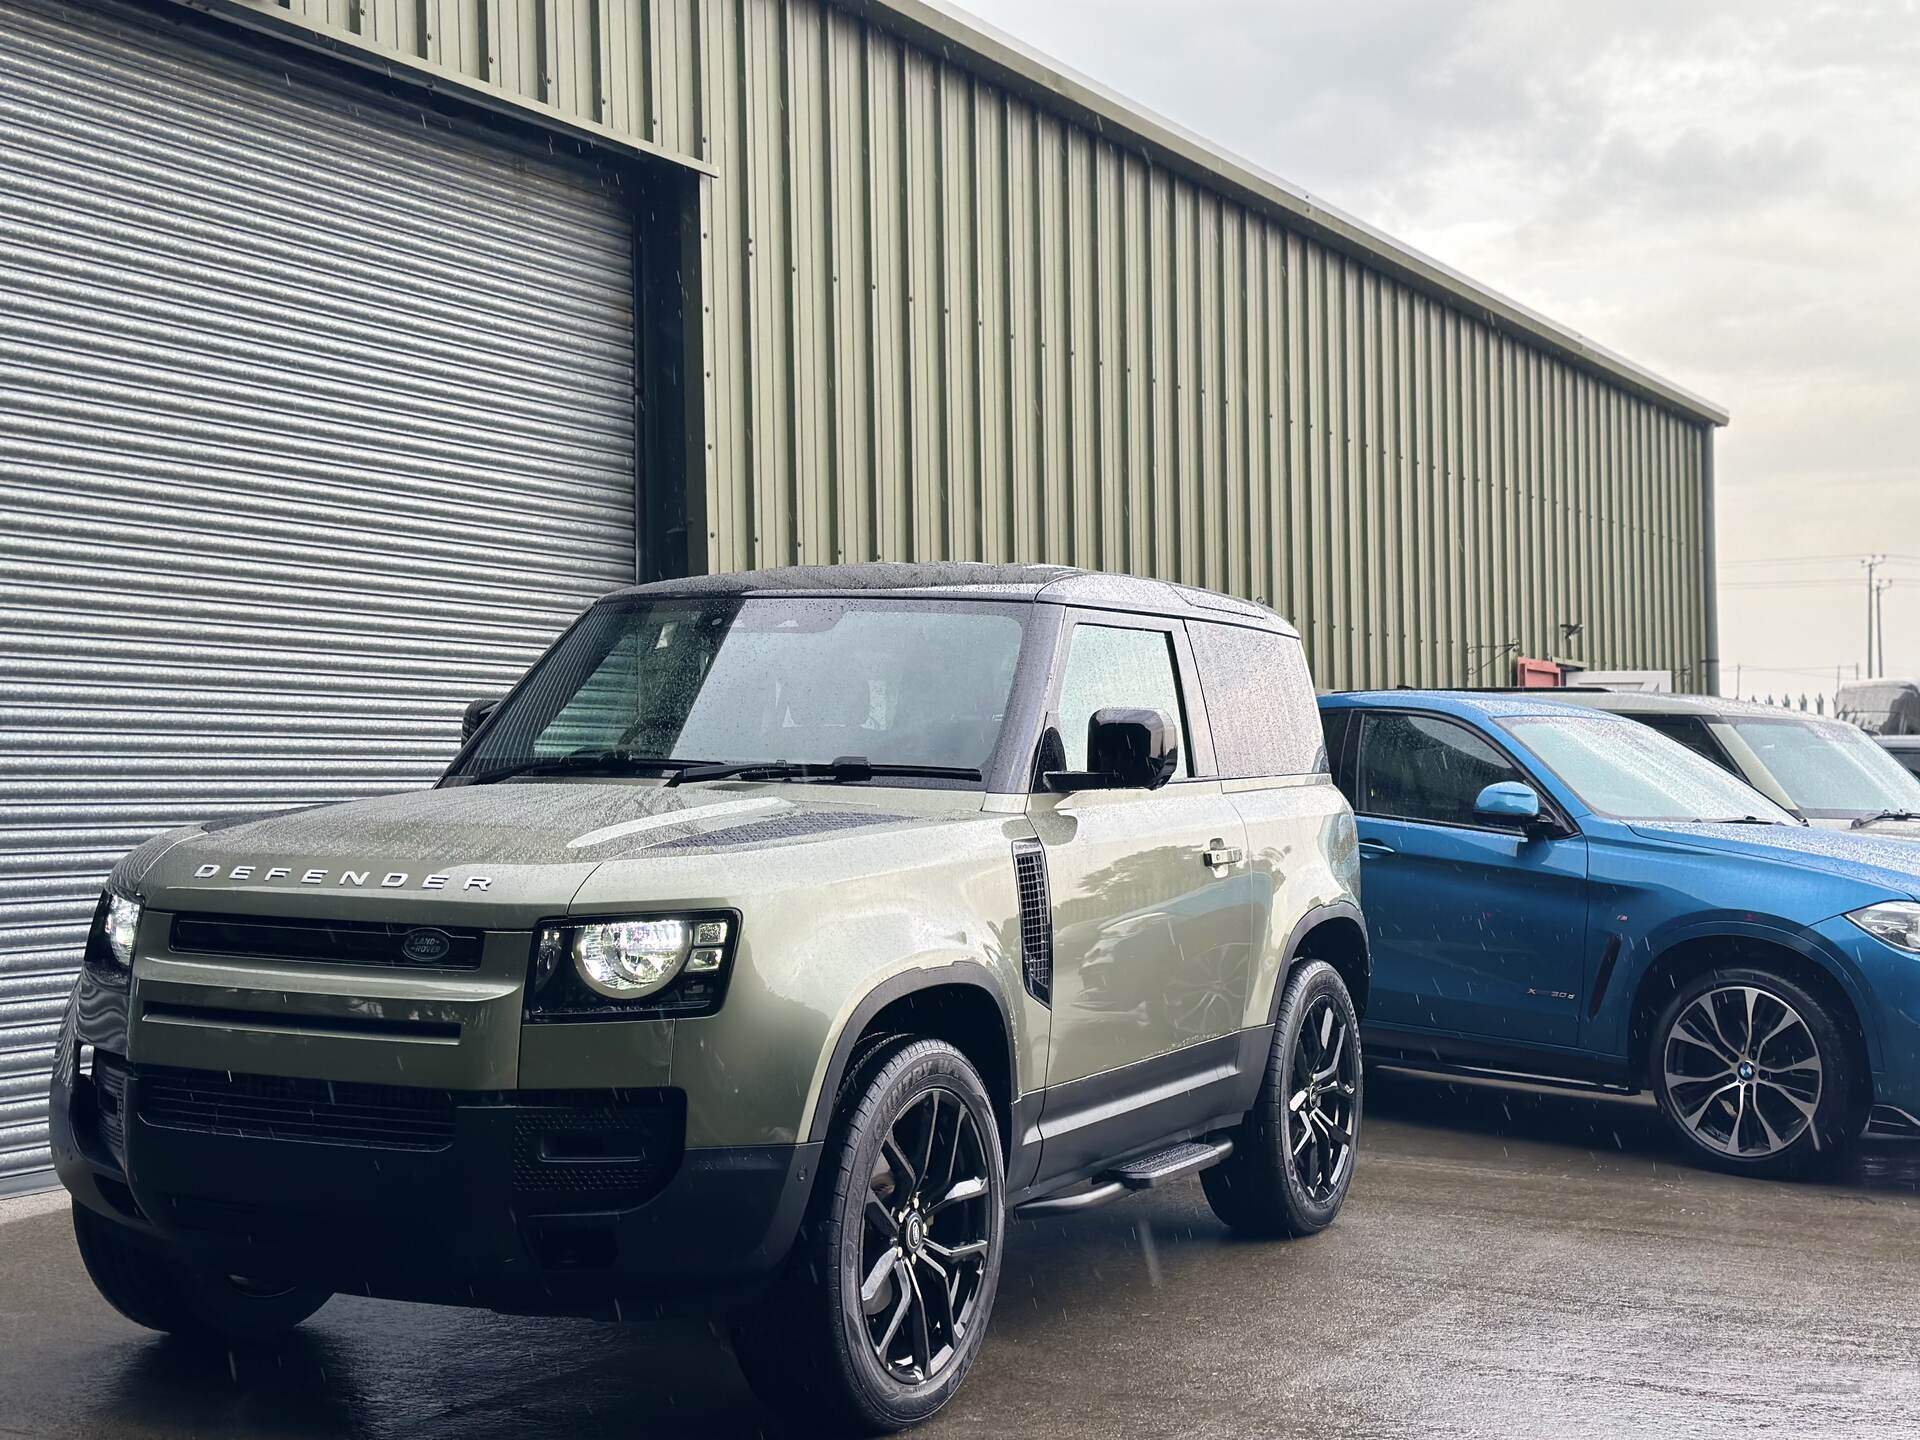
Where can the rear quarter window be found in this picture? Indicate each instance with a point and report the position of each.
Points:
(1260, 701)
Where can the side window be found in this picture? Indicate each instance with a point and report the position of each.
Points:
(1338, 725)
(1419, 767)
(1260, 701)
(1691, 733)
(1108, 667)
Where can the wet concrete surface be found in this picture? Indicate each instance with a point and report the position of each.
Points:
(1511, 1262)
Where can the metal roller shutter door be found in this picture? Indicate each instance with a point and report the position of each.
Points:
(316, 419)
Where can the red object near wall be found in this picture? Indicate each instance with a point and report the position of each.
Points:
(1538, 674)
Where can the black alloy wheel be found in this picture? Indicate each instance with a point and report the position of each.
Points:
(1323, 1108)
(929, 1237)
(884, 1304)
(1294, 1154)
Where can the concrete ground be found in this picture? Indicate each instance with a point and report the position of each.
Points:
(1511, 1262)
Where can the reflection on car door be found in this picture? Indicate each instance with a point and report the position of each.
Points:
(1476, 931)
(1152, 922)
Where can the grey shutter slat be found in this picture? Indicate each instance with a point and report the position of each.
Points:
(316, 421)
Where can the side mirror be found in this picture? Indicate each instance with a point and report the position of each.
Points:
(1509, 803)
(476, 715)
(1126, 750)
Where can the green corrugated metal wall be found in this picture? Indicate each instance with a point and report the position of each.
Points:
(944, 322)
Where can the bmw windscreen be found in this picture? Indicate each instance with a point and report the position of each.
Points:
(691, 688)
(1625, 771)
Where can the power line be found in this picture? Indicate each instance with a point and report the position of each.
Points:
(1811, 560)
(1821, 672)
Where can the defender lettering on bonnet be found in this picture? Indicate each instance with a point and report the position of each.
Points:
(392, 880)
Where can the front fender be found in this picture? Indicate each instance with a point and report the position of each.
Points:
(1611, 1030)
(927, 974)
(813, 968)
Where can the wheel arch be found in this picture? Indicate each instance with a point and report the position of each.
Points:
(960, 1003)
(1686, 959)
(1337, 934)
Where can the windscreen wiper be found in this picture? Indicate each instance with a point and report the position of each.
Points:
(1745, 820)
(1866, 820)
(847, 769)
(590, 762)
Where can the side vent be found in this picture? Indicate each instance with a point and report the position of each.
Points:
(1036, 918)
(1601, 980)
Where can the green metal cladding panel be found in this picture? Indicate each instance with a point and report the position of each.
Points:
(946, 319)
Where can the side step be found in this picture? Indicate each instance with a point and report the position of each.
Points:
(1189, 1157)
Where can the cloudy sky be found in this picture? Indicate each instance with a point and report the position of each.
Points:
(1727, 192)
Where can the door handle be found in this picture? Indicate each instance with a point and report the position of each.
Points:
(1374, 849)
(1218, 856)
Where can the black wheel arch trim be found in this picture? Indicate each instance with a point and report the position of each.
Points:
(1305, 926)
(971, 973)
(1802, 942)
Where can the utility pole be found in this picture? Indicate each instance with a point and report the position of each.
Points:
(1873, 564)
(1880, 622)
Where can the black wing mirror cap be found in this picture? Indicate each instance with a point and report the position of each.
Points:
(476, 715)
(1126, 750)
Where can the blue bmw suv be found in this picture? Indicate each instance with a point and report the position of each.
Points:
(1566, 894)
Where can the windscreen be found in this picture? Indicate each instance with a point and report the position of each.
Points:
(1621, 769)
(802, 680)
(1829, 771)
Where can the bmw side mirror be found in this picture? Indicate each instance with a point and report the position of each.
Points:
(1126, 750)
(1509, 803)
(476, 715)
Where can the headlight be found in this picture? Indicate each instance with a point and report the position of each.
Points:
(668, 964)
(631, 958)
(1895, 921)
(110, 944)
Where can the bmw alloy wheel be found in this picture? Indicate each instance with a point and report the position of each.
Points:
(1743, 1071)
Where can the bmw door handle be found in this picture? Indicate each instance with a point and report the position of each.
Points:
(1373, 850)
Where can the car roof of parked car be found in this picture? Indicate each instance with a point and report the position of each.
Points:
(1472, 704)
(1629, 702)
(954, 579)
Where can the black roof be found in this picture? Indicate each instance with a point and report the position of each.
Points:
(876, 575)
(1055, 584)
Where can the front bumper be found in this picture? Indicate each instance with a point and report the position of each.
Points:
(1887, 985)
(555, 1202)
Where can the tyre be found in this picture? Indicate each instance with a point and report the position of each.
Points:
(1293, 1154)
(154, 1289)
(883, 1306)
(1754, 1073)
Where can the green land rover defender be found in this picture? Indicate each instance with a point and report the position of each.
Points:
(770, 943)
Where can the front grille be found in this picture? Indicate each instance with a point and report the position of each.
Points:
(329, 942)
(273, 1107)
(1036, 919)
(110, 1102)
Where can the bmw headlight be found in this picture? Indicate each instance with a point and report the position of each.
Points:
(1895, 921)
(116, 920)
(661, 964)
